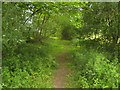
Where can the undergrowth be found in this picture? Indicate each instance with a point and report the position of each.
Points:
(30, 66)
(93, 69)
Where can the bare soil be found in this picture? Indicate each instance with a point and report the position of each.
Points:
(60, 74)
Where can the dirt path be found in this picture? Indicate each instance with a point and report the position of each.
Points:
(60, 74)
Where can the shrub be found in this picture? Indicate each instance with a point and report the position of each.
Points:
(94, 70)
(31, 66)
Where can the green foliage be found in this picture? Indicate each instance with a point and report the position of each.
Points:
(31, 33)
(31, 67)
(103, 18)
(75, 42)
(94, 70)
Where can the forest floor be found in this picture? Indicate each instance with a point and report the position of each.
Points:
(60, 74)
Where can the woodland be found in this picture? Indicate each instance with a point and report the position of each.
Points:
(42, 40)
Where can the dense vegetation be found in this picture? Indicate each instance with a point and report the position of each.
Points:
(33, 34)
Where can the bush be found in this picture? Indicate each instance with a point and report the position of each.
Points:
(31, 66)
(94, 70)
